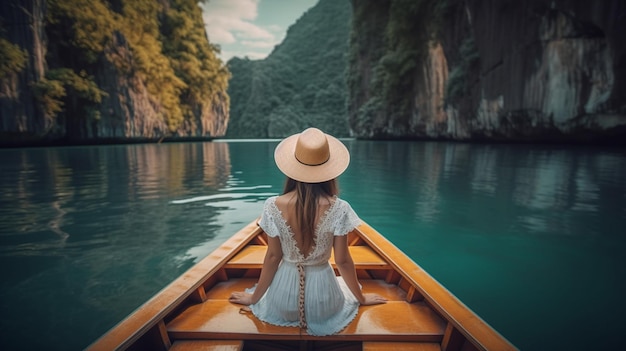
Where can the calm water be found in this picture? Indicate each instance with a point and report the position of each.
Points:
(531, 238)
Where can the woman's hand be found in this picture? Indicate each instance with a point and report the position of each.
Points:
(240, 297)
(373, 299)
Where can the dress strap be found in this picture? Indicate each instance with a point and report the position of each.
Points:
(301, 295)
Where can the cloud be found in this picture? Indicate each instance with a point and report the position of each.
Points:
(230, 24)
(258, 44)
(275, 28)
(242, 9)
(221, 36)
(252, 55)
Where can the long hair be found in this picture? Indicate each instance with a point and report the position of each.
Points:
(307, 199)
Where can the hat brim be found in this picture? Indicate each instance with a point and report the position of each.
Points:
(284, 156)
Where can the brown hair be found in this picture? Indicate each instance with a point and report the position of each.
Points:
(307, 199)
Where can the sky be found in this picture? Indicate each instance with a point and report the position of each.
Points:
(250, 27)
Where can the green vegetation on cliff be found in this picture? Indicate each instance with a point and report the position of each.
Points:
(62, 83)
(160, 46)
(12, 58)
(388, 41)
(300, 84)
(458, 82)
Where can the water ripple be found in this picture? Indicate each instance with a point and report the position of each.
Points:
(220, 197)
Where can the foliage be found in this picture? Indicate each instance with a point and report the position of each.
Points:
(85, 25)
(389, 40)
(457, 84)
(58, 83)
(140, 26)
(300, 84)
(12, 58)
(169, 54)
(192, 57)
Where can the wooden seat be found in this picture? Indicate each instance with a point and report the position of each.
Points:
(207, 345)
(397, 320)
(223, 290)
(400, 346)
(252, 257)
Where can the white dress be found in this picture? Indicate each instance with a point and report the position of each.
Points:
(328, 303)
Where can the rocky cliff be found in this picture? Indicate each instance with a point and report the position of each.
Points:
(489, 70)
(108, 69)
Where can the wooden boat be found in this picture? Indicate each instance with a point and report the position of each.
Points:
(193, 312)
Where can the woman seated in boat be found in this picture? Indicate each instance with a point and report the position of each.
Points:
(297, 285)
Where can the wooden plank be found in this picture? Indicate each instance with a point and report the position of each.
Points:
(364, 258)
(452, 339)
(476, 330)
(165, 339)
(389, 291)
(223, 290)
(199, 295)
(395, 320)
(392, 277)
(302, 345)
(400, 346)
(413, 295)
(207, 345)
(252, 257)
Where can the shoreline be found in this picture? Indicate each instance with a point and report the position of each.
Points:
(31, 142)
(60, 142)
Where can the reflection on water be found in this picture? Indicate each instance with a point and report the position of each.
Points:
(89, 233)
(100, 184)
(541, 190)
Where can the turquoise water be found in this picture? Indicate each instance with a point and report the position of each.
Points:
(532, 238)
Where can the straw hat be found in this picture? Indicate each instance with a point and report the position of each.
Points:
(311, 156)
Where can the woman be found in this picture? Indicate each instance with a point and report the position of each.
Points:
(297, 285)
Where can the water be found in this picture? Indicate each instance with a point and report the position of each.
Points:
(531, 238)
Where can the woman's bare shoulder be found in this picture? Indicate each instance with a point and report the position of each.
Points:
(283, 201)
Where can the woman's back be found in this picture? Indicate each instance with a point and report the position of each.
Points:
(305, 241)
(335, 217)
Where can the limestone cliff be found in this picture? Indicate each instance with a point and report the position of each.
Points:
(489, 69)
(101, 70)
(23, 23)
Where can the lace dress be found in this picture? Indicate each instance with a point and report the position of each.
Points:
(305, 291)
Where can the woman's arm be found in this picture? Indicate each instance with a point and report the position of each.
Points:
(345, 265)
(273, 256)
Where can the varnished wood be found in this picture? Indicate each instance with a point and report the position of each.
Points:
(199, 295)
(260, 240)
(392, 277)
(413, 295)
(252, 257)
(207, 345)
(302, 345)
(452, 339)
(220, 319)
(165, 339)
(223, 290)
(399, 346)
